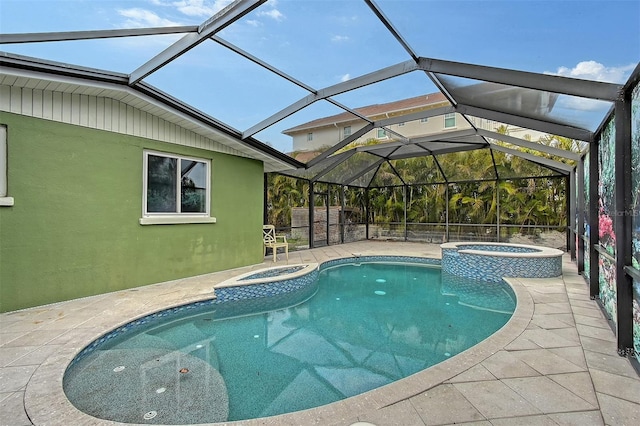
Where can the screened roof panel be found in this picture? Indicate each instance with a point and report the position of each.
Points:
(409, 151)
(381, 150)
(386, 176)
(478, 165)
(525, 102)
(345, 170)
(418, 170)
(362, 180)
(254, 86)
(310, 40)
(510, 166)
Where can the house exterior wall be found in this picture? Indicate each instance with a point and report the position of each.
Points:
(74, 229)
(327, 136)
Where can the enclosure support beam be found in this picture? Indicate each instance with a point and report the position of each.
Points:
(580, 224)
(342, 217)
(366, 213)
(570, 191)
(594, 239)
(326, 204)
(312, 203)
(622, 224)
(265, 201)
(446, 214)
(497, 193)
(404, 196)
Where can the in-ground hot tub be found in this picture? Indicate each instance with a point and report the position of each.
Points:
(493, 261)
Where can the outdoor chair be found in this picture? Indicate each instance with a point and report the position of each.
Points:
(270, 239)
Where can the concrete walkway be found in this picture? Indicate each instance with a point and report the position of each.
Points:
(555, 362)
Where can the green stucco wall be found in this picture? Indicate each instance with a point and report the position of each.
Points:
(74, 229)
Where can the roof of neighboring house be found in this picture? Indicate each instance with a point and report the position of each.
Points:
(403, 106)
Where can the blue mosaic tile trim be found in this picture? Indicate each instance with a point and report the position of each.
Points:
(500, 248)
(364, 259)
(494, 268)
(273, 273)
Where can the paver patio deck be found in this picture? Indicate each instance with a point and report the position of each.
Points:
(554, 363)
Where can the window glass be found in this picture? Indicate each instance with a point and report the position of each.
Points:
(176, 184)
(382, 133)
(347, 131)
(309, 136)
(449, 120)
(194, 186)
(161, 184)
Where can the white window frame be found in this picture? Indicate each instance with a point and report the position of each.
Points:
(5, 201)
(450, 116)
(384, 134)
(165, 218)
(309, 136)
(346, 131)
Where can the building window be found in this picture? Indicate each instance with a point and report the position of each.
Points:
(309, 137)
(424, 120)
(175, 186)
(382, 133)
(401, 124)
(346, 131)
(450, 120)
(4, 160)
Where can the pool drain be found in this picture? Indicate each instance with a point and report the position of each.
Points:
(149, 415)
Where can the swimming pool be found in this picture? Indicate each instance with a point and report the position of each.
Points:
(276, 357)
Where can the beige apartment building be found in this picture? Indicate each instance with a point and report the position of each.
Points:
(324, 132)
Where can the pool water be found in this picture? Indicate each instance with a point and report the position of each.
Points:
(368, 325)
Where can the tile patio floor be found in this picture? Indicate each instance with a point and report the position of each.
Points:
(554, 363)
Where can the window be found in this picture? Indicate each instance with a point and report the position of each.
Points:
(382, 133)
(424, 120)
(450, 120)
(346, 131)
(401, 124)
(309, 137)
(176, 189)
(4, 200)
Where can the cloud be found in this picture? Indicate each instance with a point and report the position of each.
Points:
(140, 18)
(200, 8)
(253, 22)
(592, 70)
(339, 38)
(345, 77)
(273, 14)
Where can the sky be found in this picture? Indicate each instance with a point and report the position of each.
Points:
(325, 42)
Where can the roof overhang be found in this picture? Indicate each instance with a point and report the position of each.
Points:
(19, 71)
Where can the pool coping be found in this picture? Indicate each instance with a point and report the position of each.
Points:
(46, 402)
